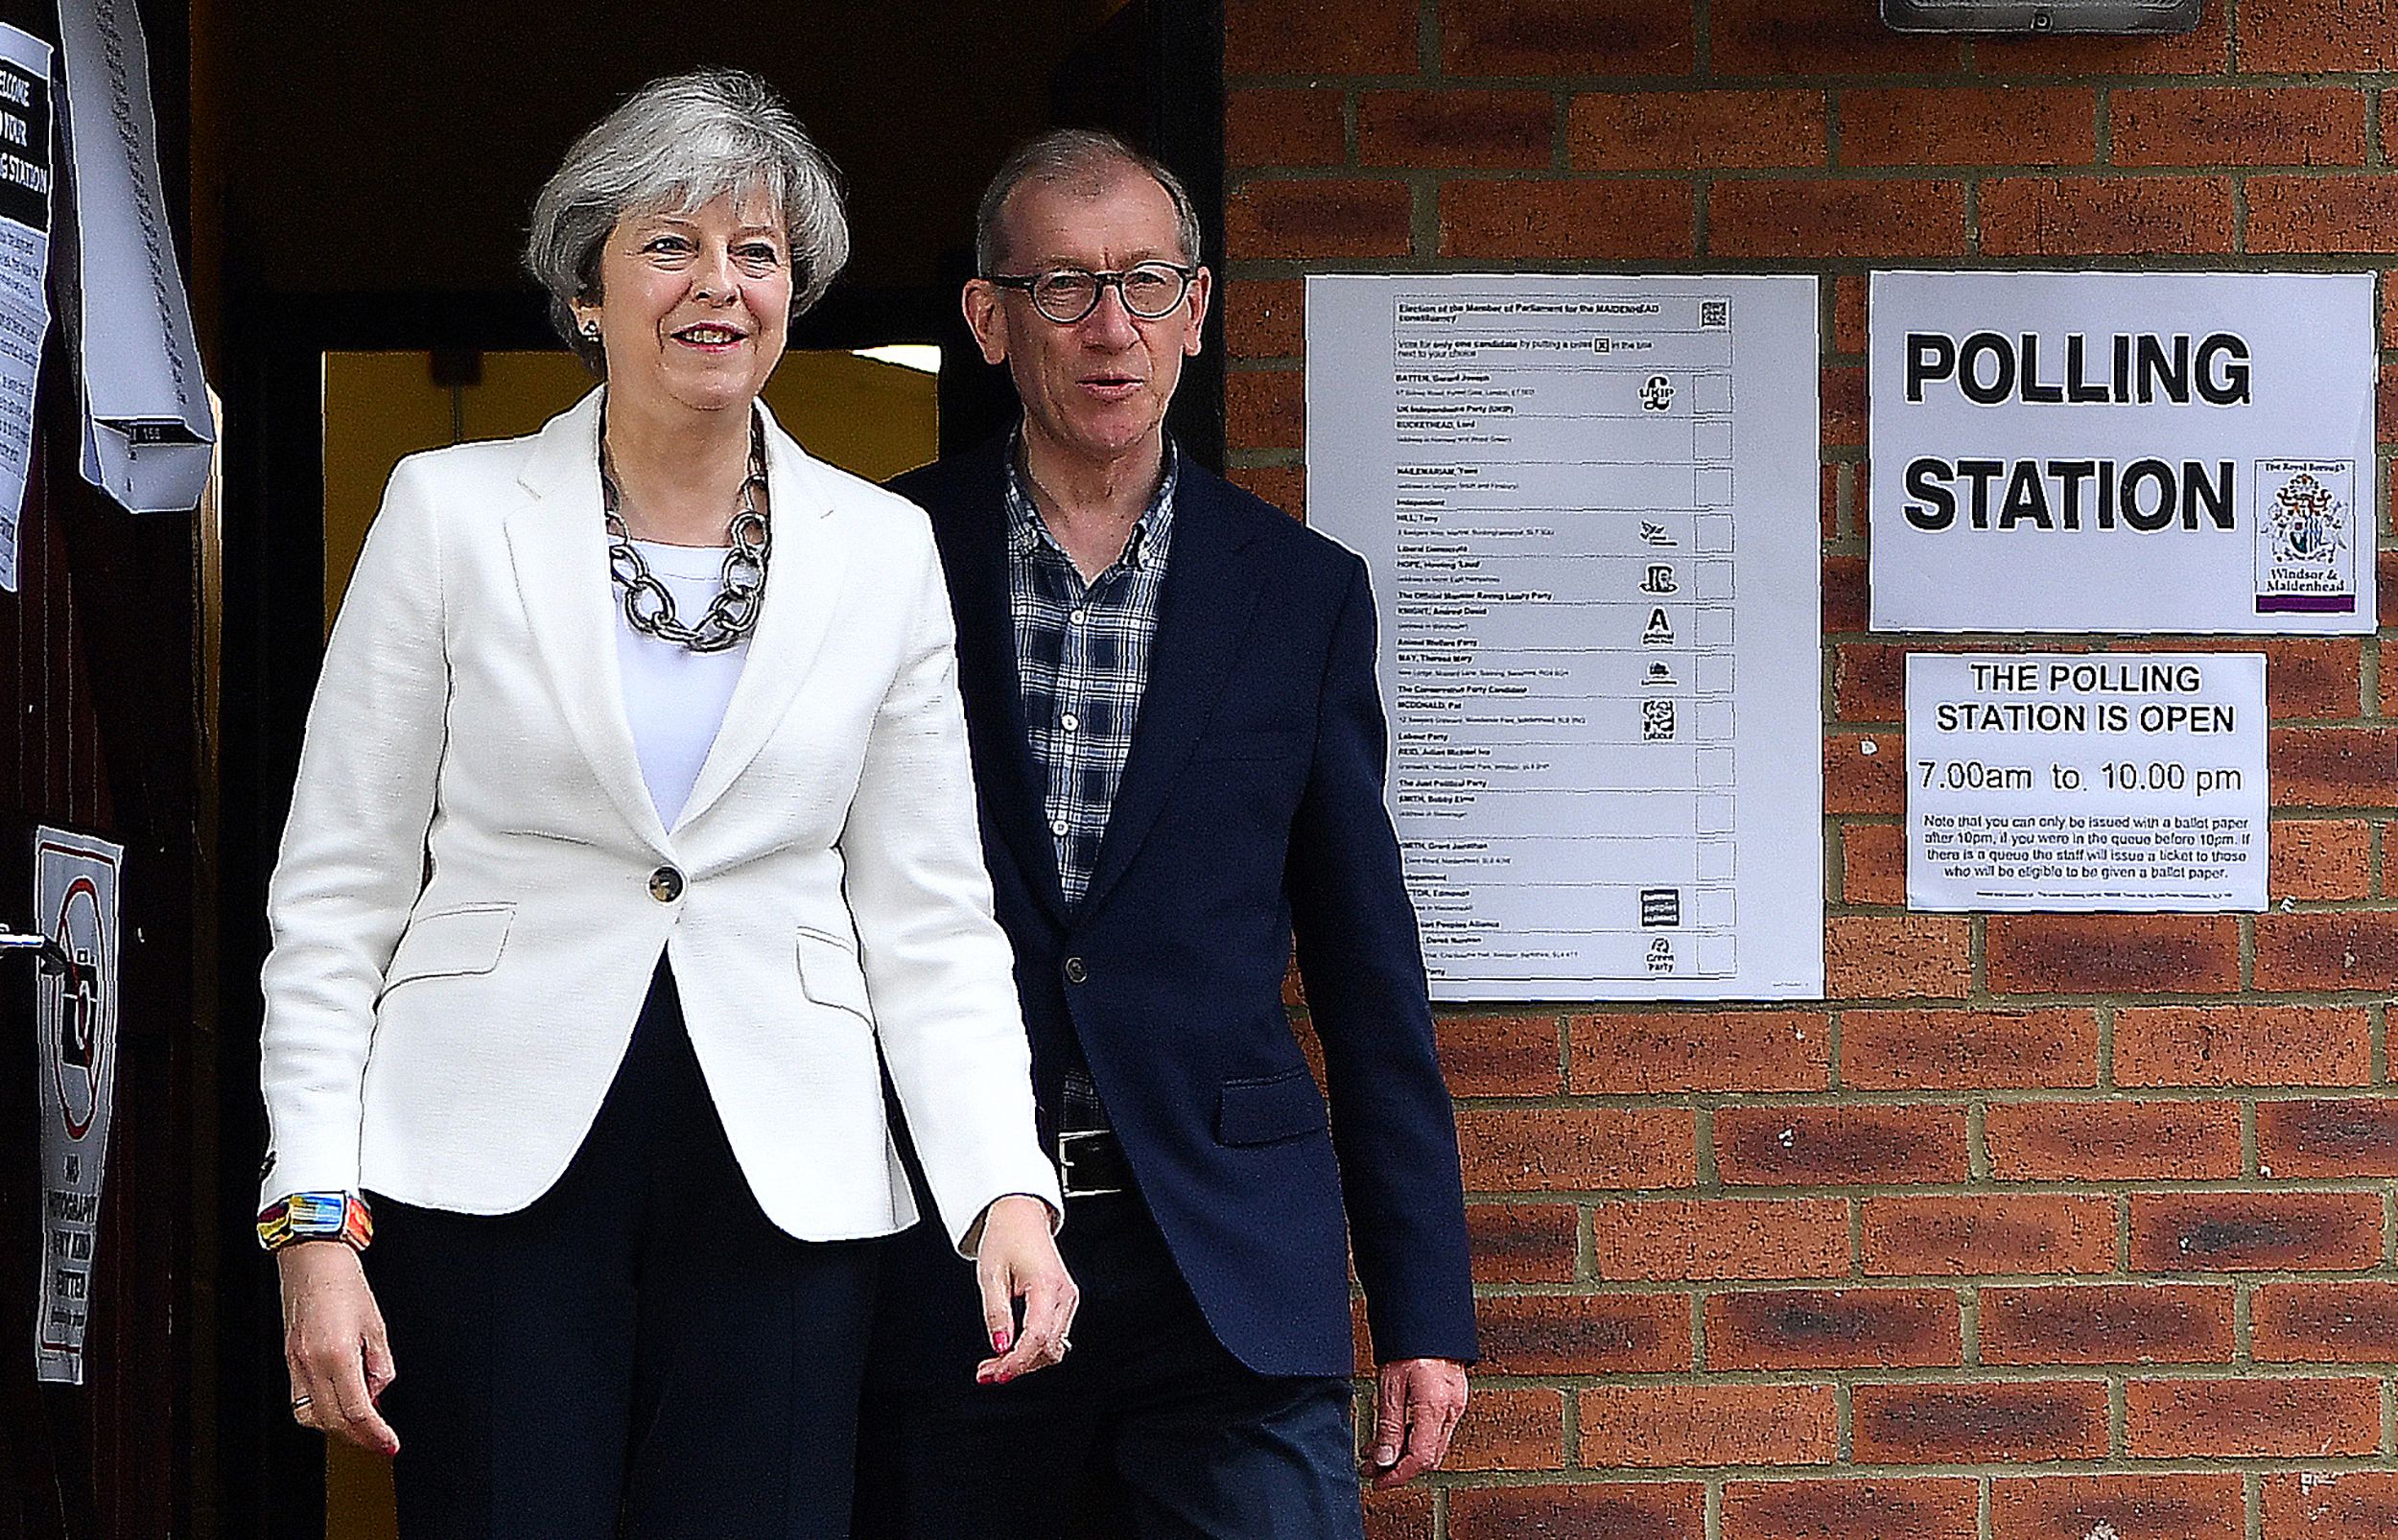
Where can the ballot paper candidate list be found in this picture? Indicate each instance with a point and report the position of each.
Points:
(1590, 514)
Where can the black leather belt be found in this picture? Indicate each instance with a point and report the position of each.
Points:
(1090, 1163)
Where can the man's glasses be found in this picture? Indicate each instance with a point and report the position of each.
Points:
(1150, 291)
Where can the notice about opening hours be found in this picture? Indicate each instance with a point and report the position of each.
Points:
(2079, 782)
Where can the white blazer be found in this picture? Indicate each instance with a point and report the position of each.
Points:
(473, 886)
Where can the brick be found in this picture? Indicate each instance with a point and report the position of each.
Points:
(2251, 1419)
(1690, 1425)
(2107, 1323)
(1870, 678)
(1980, 1050)
(1286, 486)
(1696, 131)
(1842, 399)
(1283, 127)
(1583, 1333)
(1828, 499)
(1607, 221)
(1521, 1243)
(1673, 1051)
(1848, 314)
(1264, 318)
(1833, 1329)
(1850, 1508)
(2341, 949)
(1681, 1240)
(2346, 1137)
(2245, 127)
(1844, 593)
(1509, 1430)
(2324, 213)
(1403, 1513)
(1320, 36)
(2332, 767)
(2112, 1141)
(1949, 126)
(2346, 1506)
(2205, 50)
(2243, 1232)
(1817, 37)
(1576, 1149)
(2322, 858)
(1893, 957)
(2322, 1323)
(2308, 676)
(1978, 1424)
(1864, 773)
(1566, 37)
(2081, 216)
(1499, 1055)
(1597, 1510)
(1318, 218)
(1847, 219)
(1837, 1146)
(2317, 36)
(1265, 409)
(1496, 130)
(2013, 1233)
(1873, 864)
(2246, 1044)
(2077, 1507)
(2110, 954)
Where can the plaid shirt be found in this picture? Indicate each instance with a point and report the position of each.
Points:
(1082, 654)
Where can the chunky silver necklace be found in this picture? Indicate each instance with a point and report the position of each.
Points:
(733, 614)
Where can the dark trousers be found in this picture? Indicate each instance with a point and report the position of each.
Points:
(639, 1354)
(1148, 1431)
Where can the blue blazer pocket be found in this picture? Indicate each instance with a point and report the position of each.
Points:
(1268, 1111)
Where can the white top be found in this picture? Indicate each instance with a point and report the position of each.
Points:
(674, 698)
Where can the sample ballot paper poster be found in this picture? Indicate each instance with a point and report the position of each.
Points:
(2122, 451)
(1588, 506)
(2085, 781)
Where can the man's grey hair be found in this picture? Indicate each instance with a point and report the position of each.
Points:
(1085, 161)
(677, 145)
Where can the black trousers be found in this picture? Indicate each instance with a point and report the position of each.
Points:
(1149, 1431)
(639, 1354)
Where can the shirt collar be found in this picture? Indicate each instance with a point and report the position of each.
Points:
(1027, 531)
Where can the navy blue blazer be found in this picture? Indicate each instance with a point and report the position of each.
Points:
(1251, 811)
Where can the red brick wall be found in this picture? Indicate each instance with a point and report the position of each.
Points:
(2040, 1223)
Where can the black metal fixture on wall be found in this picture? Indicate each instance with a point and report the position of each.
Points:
(2116, 16)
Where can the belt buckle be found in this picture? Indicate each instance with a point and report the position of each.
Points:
(1065, 1138)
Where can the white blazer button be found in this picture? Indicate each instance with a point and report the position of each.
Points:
(665, 884)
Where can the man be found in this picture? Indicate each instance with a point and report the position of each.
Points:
(1176, 733)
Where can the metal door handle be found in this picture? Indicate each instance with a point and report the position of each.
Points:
(48, 955)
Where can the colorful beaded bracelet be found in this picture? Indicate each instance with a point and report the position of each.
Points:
(316, 1217)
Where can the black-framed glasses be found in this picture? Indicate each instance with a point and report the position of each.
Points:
(1151, 291)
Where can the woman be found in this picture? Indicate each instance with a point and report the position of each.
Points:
(634, 817)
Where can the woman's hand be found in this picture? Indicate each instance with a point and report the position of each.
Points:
(1018, 1259)
(333, 1344)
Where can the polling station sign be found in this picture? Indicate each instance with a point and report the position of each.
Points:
(2117, 451)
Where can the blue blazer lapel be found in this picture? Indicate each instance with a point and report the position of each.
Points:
(1203, 611)
(974, 532)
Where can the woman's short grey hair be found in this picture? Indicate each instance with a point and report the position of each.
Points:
(677, 145)
(1085, 160)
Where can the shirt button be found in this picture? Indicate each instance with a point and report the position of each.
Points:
(1073, 617)
(1075, 971)
(1069, 721)
(665, 884)
(1057, 826)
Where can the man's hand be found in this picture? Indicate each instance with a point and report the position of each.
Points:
(1416, 1407)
